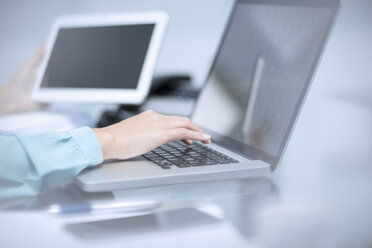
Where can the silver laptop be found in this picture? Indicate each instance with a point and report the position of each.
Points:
(249, 104)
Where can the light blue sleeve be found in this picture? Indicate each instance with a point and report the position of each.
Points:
(34, 163)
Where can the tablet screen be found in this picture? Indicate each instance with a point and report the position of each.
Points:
(109, 57)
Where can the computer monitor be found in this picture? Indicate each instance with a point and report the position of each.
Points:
(106, 58)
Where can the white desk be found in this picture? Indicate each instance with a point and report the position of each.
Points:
(183, 227)
(319, 197)
(238, 214)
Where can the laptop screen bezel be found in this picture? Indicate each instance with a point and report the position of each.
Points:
(249, 151)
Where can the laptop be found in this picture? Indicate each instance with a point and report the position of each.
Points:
(249, 104)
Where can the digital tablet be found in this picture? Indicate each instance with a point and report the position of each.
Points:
(106, 58)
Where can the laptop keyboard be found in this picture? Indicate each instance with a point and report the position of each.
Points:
(181, 155)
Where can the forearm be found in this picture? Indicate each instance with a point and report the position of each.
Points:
(15, 94)
(7, 105)
(34, 163)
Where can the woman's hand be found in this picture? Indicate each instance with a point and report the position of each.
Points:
(15, 96)
(144, 132)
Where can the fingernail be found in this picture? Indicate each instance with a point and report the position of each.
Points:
(206, 136)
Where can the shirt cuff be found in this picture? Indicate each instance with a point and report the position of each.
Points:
(89, 144)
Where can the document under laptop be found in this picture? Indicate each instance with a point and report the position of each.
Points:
(249, 104)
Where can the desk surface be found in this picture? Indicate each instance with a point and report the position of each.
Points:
(215, 214)
(319, 197)
(303, 208)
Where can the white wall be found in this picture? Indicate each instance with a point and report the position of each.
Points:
(190, 43)
(192, 36)
(334, 130)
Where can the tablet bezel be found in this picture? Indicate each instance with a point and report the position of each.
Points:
(102, 95)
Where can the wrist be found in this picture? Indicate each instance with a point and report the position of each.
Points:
(106, 140)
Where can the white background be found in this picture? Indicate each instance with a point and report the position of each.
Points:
(191, 39)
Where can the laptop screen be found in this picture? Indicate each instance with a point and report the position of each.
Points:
(261, 74)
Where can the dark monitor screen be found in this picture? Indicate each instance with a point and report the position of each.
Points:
(261, 74)
(108, 57)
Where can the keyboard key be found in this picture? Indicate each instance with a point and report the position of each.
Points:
(155, 159)
(181, 164)
(224, 161)
(151, 156)
(198, 163)
(188, 158)
(163, 163)
(168, 156)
